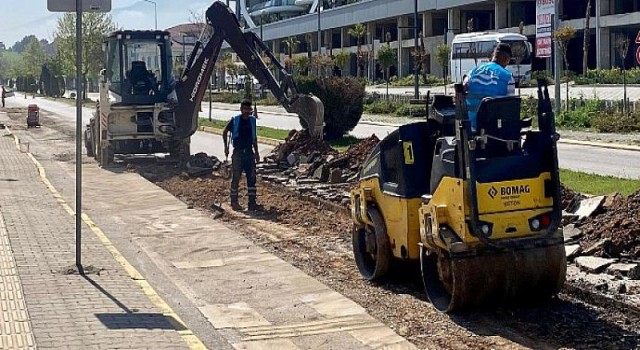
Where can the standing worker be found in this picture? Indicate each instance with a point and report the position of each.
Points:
(489, 80)
(4, 94)
(244, 139)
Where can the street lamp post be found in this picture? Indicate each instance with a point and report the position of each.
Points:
(319, 31)
(155, 11)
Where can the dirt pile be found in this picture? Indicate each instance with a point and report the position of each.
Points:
(300, 143)
(353, 157)
(570, 198)
(312, 168)
(615, 232)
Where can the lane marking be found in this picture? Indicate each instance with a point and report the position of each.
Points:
(185, 333)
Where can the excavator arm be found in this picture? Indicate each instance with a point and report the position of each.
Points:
(194, 80)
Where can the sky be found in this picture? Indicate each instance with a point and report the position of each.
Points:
(19, 18)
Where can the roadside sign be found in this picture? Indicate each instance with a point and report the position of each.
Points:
(545, 11)
(87, 5)
(638, 55)
(638, 38)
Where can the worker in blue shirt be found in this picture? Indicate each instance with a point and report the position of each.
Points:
(489, 80)
(245, 153)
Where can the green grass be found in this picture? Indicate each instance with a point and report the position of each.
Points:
(86, 103)
(597, 184)
(280, 134)
(344, 143)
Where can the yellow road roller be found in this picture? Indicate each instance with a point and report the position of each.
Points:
(480, 210)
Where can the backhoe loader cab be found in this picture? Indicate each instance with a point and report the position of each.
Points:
(134, 114)
(480, 210)
(139, 66)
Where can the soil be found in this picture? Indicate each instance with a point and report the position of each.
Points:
(322, 248)
(616, 229)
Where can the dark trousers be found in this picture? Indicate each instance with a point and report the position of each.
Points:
(243, 161)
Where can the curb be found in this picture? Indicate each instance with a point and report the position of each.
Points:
(601, 144)
(261, 139)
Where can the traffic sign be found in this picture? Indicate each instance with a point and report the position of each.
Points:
(638, 55)
(87, 5)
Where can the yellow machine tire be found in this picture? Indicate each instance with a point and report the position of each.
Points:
(371, 247)
(505, 278)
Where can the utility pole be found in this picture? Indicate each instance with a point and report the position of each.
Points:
(319, 31)
(598, 43)
(556, 57)
(79, 90)
(415, 48)
(155, 11)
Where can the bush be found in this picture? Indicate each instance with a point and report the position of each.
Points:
(581, 113)
(617, 122)
(342, 99)
(608, 76)
(409, 81)
(381, 107)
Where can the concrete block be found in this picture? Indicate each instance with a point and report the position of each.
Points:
(572, 250)
(571, 232)
(593, 264)
(322, 174)
(588, 206)
(336, 176)
(292, 159)
(630, 270)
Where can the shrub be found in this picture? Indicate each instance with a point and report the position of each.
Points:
(342, 99)
(381, 107)
(608, 76)
(617, 122)
(581, 113)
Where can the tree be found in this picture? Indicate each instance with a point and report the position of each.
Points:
(323, 65)
(563, 35)
(622, 47)
(292, 44)
(33, 58)
(443, 54)
(302, 64)
(358, 31)
(21, 45)
(585, 39)
(95, 26)
(342, 58)
(386, 58)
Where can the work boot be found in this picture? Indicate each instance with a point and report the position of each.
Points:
(236, 206)
(253, 206)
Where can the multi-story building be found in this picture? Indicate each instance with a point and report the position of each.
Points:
(322, 26)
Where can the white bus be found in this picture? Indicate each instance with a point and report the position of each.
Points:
(473, 49)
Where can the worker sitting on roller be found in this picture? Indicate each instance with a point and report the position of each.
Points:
(489, 80)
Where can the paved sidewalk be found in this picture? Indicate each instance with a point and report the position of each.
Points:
(46, 304)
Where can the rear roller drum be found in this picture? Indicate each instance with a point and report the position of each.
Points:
(371, 247)
(504, 278)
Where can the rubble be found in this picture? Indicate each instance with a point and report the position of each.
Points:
(593, 264)
(615, 232)
(310, 166)
(201, 164)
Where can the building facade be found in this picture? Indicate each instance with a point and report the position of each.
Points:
(323, 26)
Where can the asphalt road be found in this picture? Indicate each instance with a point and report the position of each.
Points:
(604, 161)
(200, 142)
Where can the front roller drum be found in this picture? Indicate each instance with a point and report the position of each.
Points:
(371, 247)
(508, 278)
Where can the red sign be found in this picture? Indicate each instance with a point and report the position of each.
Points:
(638, 54)
(638, 38)
(543, 47)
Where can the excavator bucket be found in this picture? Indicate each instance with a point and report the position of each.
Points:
(310, 110)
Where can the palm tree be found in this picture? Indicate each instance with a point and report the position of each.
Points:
(358, 31)
(291, 43)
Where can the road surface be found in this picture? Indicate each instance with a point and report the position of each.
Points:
(603, 161)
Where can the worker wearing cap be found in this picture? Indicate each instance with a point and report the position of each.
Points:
(489, 80)
(245, 153)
